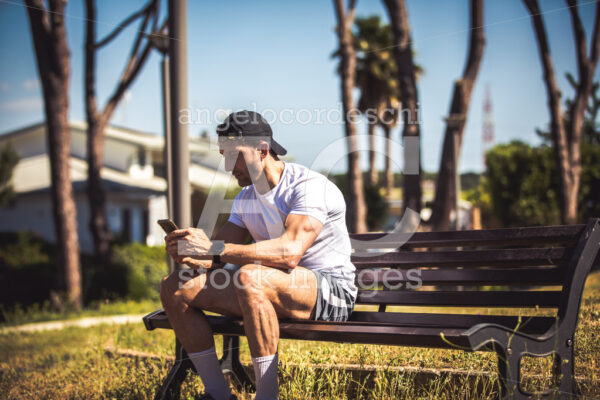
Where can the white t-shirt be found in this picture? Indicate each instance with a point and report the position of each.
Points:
(304, 192)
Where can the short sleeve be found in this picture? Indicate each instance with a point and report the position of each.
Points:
(236, 212)
(309, 197)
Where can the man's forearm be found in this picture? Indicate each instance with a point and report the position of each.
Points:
(280, 253)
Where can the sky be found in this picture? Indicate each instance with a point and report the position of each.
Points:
(275, 57)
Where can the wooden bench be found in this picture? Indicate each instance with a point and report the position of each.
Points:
(535, 267)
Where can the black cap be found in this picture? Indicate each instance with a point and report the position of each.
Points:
(248, 124)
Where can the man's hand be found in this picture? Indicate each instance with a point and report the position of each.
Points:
(189, 246)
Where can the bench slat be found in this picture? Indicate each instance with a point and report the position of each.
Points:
(159, 319)
(447, 276)
(336, 332)
(527, 299)
(465, 321)
(471, 238)
(464, 258)
(355, 333)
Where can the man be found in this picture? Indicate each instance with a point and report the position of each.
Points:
(298, 266)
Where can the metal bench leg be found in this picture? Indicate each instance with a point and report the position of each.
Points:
(564, 372)
(230, 363)
(509, 374)
(171, 386)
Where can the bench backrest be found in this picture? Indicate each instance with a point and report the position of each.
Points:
(530, 267)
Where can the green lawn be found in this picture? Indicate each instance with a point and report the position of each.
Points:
(73, 363)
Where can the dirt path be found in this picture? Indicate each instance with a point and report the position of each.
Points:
(82, 322)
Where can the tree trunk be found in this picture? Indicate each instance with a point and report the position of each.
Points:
(95, 145)
(373, 173)
(567, 151)
(49, 36)
(98, 120)
(409, 96)
(585, 68)
(357, 210)
(389, 176)
(445, 188)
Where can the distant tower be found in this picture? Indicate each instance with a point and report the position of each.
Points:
(488, 124)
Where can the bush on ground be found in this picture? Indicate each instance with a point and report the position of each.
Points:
(30, 276)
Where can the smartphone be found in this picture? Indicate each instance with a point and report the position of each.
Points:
(167, 225)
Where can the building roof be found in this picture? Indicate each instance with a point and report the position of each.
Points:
(32, 173)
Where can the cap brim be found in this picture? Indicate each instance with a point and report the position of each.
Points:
(277, 148)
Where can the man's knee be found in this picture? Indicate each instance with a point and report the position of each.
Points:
(251, 278)
(168, 287)
(174, 286)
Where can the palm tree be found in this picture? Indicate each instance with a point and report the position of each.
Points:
(357, 210)
(376, 75)
(406, 74)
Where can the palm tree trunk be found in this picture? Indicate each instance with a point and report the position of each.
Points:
(445, 188)
(409, 96)
(557, 130)
(52, 53)
(356, 214)
(373, 173)
(585, 68)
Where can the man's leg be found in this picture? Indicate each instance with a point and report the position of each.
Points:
(259, 294)
(183, 293)
(264, 294)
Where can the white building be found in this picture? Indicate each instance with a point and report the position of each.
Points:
(133, 176)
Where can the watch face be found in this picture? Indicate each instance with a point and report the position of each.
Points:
(217, 247)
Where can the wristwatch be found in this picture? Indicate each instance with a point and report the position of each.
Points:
(217, 249)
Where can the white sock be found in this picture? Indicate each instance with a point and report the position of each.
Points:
(265, 370)
(207, 366)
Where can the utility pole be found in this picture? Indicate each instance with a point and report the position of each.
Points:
(179, 151)
(160, 42)
(487, 134)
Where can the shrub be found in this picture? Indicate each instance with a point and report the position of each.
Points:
(28, 270)
(135, 273)
(521, 185)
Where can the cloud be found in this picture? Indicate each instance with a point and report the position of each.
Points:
(31, 84)
(28, 104)
(4, 86)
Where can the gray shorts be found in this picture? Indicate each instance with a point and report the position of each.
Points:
(334, 302)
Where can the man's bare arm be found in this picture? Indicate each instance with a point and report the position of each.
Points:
(283, 252)
(229, 233)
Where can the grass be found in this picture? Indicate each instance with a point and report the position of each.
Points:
(72, 364)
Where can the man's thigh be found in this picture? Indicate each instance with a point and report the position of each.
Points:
(293, 293)
(211, 291)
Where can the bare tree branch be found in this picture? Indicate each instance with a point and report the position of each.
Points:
(134, 65)
(140, 35)
(595, 46)
(143, 11)
(98, 120)
(580, 41)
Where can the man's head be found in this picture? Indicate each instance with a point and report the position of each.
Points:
(246, 141)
